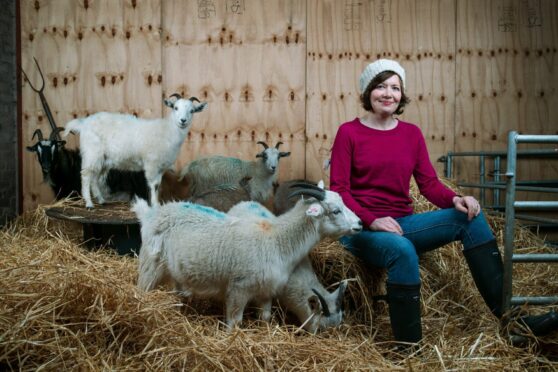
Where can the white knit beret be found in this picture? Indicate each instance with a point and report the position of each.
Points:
(377, 67)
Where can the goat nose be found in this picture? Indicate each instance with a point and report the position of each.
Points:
(359, 228)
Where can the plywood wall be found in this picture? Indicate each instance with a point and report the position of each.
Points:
(246, 58)
(506, 79)
(345, 36)
(287, 70)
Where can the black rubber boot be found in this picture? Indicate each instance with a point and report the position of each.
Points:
(487, 269)
(540, 325)
(404, 312)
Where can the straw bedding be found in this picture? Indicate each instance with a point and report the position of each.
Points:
(65, 307)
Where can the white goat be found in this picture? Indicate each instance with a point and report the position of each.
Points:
(206, 173)
(303, 295)
(114, 140)
(208, 253)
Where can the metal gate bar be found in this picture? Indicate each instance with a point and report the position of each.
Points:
(511, 204)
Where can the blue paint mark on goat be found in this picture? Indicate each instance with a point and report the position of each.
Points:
(259, 210)
(207, 210)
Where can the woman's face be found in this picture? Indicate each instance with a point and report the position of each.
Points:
(385, 98)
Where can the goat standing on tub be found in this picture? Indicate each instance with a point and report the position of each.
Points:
(247, 260)
(61, 170)
(114, 140)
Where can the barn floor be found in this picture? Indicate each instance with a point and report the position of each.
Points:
(66, 307)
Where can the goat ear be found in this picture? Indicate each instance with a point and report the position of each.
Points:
(200, 107)
(284, 154)
(244, 181)
(314, 304)
(321, 184)
(340, 293)
(168, 103)
(315, 210)
(259, 155)
(32, 148)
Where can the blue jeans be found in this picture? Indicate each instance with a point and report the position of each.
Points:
(422, 232)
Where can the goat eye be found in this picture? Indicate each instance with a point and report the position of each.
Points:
(336, 211)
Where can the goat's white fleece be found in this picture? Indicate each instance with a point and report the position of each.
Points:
(211, 254)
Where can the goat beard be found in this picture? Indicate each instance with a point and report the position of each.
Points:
(48, 179)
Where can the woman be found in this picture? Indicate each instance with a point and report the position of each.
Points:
(372, 162)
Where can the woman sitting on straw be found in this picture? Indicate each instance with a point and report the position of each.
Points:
(373, 160)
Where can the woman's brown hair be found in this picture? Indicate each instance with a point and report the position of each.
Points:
(378, 79)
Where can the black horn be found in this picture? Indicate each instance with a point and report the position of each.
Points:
(263, 144)
(194, 99)
(54, 134)
(323, 302)
(178, 96)
(44, 102)
(278, 144)
(40, 90)
(306, 185)
(38, 133)
(320, 195)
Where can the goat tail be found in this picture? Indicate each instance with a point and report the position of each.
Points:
(152, 270)
(145, 215)
(72, 126)
(152, 266)
(141, 209)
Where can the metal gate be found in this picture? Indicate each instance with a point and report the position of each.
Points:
(511, 205)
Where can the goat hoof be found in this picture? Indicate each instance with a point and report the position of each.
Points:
(518, 340)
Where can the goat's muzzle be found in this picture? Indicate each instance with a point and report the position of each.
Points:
(358, 228)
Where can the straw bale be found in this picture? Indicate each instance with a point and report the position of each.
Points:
(66, 307)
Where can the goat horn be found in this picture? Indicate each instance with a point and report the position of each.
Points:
(40, 90)
(38, 133)
(320, 195)
(323, 302)
(263, 144)
(306, 185)
(194, 99)
(54, 133)
(277, 145)
(178, 96)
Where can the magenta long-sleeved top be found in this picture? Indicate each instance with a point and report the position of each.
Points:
(371, 169)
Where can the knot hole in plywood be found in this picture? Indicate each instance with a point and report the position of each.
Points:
(270, 94)
(246, 94)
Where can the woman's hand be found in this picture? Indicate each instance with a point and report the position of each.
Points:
(467, 204)
(386, 224)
